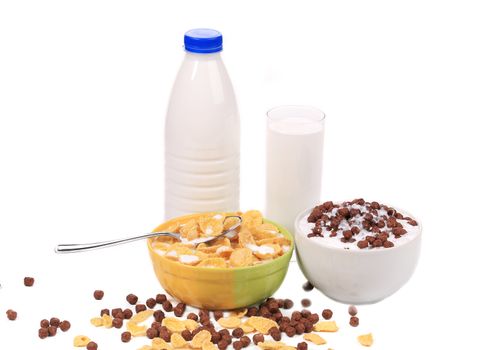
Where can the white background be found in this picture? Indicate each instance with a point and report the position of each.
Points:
(408, 89)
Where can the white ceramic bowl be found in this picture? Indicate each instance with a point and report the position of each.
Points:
(356, 276)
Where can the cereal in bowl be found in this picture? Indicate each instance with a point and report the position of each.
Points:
(256, 241)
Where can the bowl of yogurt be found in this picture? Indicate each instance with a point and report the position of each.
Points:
(357, 252)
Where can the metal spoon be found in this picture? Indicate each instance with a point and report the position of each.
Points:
(75, 248)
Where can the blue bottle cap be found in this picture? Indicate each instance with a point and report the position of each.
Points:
(203, 40)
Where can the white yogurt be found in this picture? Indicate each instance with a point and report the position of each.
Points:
(307, 227)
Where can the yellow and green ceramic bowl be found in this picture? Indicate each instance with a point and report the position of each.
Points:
(219, 288)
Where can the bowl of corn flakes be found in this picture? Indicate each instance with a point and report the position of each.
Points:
(227, 273)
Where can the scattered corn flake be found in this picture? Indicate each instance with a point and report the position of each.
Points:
(81, 341)
(261, 324)
(247, 328)
(177, 340)
(238, 313)
(208, 345)
(287, 347)
(314, 338)
(365, 339)
(174, 324)
(200, 338)
(326, 326)
(271, 345)
(106, 321)
(160, 344)
(229, 322)
(97, 321)
(190, 325)
(135, 329)
(142, 316)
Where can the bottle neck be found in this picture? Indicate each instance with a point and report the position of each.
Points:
(203, 56)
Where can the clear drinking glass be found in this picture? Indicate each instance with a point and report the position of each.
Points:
(294, 161)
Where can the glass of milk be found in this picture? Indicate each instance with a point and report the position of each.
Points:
(294, 158)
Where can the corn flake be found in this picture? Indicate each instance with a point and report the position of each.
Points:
(81, 341)
(190, 325)
(229, 322)
(97, 321)
(177, 341)
(106, 321)
(326, 326)
(200, 338)
(160, 344)
(261, 324)
(275, 345)
(135, 329)
(366, 339)
(314, 338)
(208, 345)
(241, 257)
(174, 324)
(141, 316)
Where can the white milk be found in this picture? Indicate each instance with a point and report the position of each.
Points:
(294, 165)
(202, 132)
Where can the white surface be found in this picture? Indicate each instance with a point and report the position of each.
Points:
(356, 276)
(408, 91)
(294, 156)
(202, 139)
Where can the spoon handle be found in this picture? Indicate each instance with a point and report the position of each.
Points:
(75, 248)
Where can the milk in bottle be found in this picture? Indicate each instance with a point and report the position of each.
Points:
(202, 138)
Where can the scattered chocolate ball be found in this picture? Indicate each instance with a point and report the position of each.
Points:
(275, 333)
(28, 281)
(152, 333)
(217, 314)
(55, 322)
(257, 338)
(192, 316)
(64, 326)
(237, 333)
(44, 323)
(92, 346)
(167, 306)
(159, 315)
(238, 345)
(117, 323)
(98, 294)
(160, 298)
(11, 315)
(327, 314)
(288, 304)
(187, 335)
(245, 341)
(222, 344)
(104, 312)
(306, 302)
(290, 331)
(43, 333)
(308, 286)
(52, 331)
(126, 337)
(140, 307)
(302, 346)
(352, 310)
(127, 313)
(150, 303)
(354, 321)
(132, 299)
